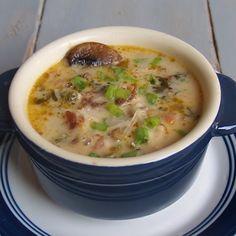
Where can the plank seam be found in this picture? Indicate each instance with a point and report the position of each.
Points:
(31, 45)
(40, 21)
(213, 36)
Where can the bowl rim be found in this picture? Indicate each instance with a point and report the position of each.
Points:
(23, 124)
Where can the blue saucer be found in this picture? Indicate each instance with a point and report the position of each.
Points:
(22, 214)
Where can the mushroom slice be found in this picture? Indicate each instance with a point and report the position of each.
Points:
(93, 53)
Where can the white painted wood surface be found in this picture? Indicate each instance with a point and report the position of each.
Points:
(224, 21)
(19, 22)
(188, 20)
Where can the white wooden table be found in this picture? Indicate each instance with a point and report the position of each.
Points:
(208, 25)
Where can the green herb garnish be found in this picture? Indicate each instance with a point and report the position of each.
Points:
(151, 98)
(103, 76)
(122, 93)
(132, 153)
(114, 92)
(142, 90)
(101, 126)
(114, 109)
(122, 74)
(119, 72)
(139, 60)
(93, 154)
(152, 122)
(141, 135)
(152, 81)
(156, 61)
(110, 92)
(181, 132)
(79, 82)
(150, 78)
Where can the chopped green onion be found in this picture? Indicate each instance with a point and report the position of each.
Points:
(130, 154)
(151, 98)
(142, 90)
(181, 132)
(139, 60)
(114, 109)
(101, 126)
(141, 135)
(122, 74)
(122, 93)
(110, 92)
(103, 76)
(79, 82)
(180, 76)
(119, 72)
(152, 122)
(114, 92)
(155, 62)
(152, 79)
(93, 154)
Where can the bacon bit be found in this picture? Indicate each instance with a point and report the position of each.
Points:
(88, 101)
(169, 118)
(80, 120)
(87, 141)
(84, 102)
(75, 140)
(120, 101)
(124, 63)
(130, 112)
(151, 112)
(116, 134)
(85, 75)
(70, 119)
(99, 142)
(97, 104)
(68, 85)
(133, 91)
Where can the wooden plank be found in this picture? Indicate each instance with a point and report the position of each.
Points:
(19, 22)
(224, 19)
(188, 20)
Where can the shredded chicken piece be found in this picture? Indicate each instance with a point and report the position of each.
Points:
(138, 113)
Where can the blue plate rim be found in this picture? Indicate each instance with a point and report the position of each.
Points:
(29, 228)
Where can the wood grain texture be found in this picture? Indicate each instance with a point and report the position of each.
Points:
(188, 20)
(19, 22)
(224, 21)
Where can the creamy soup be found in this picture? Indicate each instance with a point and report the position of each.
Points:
(144, 101)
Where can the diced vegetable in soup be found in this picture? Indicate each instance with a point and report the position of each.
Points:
(121, 101)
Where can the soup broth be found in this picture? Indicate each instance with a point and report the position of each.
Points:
(145, 102)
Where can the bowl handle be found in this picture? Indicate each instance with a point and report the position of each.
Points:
(6, 123)
(225, 122)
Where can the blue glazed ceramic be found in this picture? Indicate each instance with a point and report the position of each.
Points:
(126, 187)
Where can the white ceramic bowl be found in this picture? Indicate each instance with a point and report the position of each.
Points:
(55, 51)
(122, 187)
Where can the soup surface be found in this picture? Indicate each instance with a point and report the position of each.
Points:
(143, 103)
